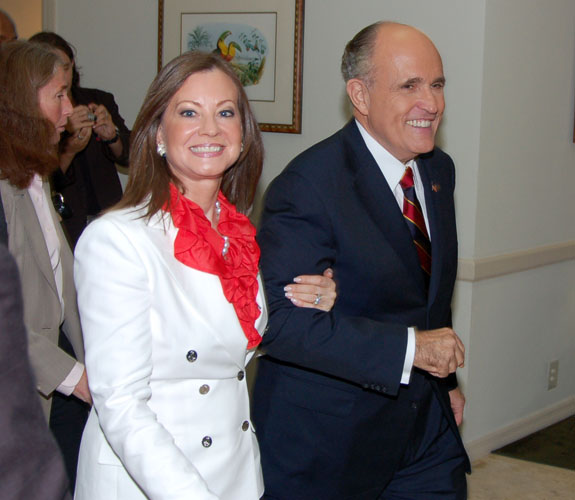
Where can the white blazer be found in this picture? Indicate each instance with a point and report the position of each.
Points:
(165, 356)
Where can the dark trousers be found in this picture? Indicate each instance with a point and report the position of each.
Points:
(433, 467)
(68, 416)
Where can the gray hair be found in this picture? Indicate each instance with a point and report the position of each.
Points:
(356, 59)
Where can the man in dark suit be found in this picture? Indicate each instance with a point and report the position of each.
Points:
(30, 462)
(362, 402)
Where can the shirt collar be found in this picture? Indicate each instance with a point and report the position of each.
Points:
(391, 168)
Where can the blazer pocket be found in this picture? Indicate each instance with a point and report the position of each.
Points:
(318, 397)
(106, 456)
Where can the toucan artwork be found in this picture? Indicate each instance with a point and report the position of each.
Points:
(228, 52)
(243, 46)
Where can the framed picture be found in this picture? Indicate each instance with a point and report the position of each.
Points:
(261, 39)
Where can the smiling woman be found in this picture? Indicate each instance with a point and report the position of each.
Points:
(171, 299)
(201, 131)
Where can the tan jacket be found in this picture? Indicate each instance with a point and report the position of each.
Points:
(42, 308)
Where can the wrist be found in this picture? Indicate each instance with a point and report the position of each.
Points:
(113, 139)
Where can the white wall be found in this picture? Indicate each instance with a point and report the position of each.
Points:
(527, 157)
(116, 42)
(510, 67)
(520, 322)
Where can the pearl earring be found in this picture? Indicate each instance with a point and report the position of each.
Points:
(242, 148)
(161, 149)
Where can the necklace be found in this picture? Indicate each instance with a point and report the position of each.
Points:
(199, 246)
(226, 239)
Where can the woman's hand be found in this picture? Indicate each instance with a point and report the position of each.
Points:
(106, 130)
(315, 291)
(79, 127)
(103, 126)
(78, 141)
(80, 119)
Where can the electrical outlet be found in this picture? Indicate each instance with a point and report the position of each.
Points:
(552, 374)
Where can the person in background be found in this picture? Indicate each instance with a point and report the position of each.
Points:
(30, 461)
(7, 28)
(171, 302)
(34, 109)
(95, 140)
(363, 402)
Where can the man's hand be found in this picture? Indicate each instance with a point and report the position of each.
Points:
(457, 404)
(439, 352)
(82, 391)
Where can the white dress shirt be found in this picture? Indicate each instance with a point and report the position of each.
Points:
(40, 202)
(393, 170)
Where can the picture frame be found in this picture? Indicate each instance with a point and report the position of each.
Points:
(262, 39)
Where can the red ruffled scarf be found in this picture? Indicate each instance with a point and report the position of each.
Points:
(199, 246)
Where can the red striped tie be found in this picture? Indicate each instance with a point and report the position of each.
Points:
(416, 222)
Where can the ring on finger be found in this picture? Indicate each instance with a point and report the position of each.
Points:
(317, 299)
(79, 137)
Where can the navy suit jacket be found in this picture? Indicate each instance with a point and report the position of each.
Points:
(328, 393)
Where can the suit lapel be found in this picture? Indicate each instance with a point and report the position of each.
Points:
(374, 192)
(67, 265)
(435, 224)
(24, 211)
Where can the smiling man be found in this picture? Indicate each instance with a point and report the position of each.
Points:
(362, 402)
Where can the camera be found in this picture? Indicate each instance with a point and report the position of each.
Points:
(91, 116)
(61, 207)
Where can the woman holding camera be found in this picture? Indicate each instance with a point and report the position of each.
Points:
(95, 140)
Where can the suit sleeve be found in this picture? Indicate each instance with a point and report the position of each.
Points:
(297, 237)
(50, 363)
(450, 382)
(114, 296)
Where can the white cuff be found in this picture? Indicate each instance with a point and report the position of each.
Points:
(71, 381)
(409, 356)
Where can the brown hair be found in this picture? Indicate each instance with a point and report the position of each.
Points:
(149, 175)
(27, 140)
(55, 41)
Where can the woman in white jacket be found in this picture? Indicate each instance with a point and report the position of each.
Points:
(171, 303)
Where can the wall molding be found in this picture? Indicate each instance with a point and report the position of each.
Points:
(515, 262)
(483, 446)
(49, 15)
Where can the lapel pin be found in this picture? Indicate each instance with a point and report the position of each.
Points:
(435, 187)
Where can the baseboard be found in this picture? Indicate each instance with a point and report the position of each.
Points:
(481, 447)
